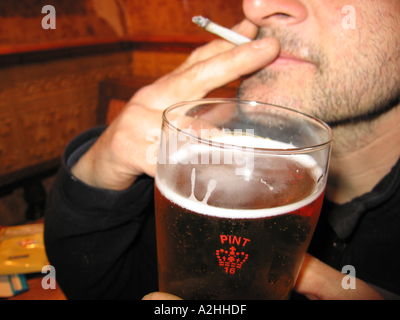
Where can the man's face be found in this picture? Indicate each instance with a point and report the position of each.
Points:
(336, 74)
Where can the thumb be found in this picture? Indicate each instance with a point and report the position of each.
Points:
(201, 78)
(318, 281)
(160, 296)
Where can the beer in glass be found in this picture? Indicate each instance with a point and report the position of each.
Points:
(238, 191)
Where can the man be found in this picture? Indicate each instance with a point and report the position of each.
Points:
(99, 222)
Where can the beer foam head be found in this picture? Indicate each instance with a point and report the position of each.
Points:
(193, 204)
(214, 178)
(250, 141)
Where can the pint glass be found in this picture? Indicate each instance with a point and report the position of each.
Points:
(238, 191)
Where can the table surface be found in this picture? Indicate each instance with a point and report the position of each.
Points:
(36, 291)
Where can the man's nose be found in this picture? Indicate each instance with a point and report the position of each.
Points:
(275, 12)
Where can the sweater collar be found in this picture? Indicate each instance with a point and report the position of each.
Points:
(344, 218)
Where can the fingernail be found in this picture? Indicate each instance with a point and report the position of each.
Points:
(238, 27)
(262, 43)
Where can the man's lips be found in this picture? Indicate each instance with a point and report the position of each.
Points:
(288, 59)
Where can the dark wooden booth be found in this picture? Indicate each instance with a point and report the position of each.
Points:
(56, 83)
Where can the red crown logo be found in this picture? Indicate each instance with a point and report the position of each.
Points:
(231, 260)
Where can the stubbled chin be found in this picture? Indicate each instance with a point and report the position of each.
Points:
(263, 93)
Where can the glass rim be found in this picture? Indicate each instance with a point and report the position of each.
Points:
(295, 150)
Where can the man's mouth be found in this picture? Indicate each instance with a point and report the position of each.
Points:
(287, 59)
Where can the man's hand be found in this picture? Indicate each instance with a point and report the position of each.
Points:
(119, 155)
(318, 281)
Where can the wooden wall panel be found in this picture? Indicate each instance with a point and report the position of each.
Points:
(99, 21)
(171, 21)
(155, 63)
(43, 106)
(49, 79)
(173, 18)
(83, 20)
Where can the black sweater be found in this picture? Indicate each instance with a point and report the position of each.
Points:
(103, 244)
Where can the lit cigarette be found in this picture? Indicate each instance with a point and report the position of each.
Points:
(223, 32)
